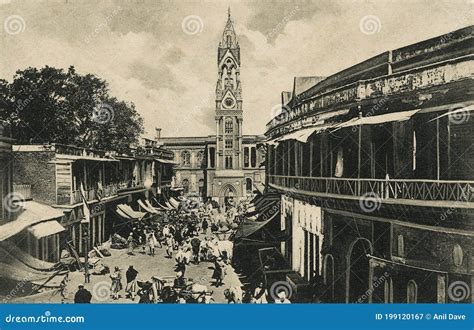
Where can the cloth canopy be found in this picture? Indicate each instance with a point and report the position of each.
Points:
(46, 228)
(374, 120)
(147, 207)
(303, 134)
(31, 213)
(129, 212)
(248, 227)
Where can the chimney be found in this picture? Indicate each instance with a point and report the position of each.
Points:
(158, 133)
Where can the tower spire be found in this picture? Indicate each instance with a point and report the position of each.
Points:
(229, 39)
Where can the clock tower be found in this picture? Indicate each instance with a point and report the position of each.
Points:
(226, 167)
(228, 102)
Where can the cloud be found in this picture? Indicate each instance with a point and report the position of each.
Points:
(140, 48)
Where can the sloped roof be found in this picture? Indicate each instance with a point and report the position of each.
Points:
(286, 97)
(302, 84)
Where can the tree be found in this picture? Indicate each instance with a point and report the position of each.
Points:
(49, 105)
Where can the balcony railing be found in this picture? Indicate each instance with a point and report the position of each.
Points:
(89, 194)
(22, 191)
(419, 78)
(425, 190)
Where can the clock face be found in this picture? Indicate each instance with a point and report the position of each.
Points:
(228, 102)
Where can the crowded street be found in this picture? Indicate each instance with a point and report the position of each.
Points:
(174, 249)
(147, 266)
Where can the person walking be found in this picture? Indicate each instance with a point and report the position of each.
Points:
(116, 286)
(82, 296)
(219, 272)
(155, 240)
(131, 287)
(169, 245)
(204, 226)
(151, 244)
(130, 244)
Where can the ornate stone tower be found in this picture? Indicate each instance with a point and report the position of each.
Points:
(228, 102)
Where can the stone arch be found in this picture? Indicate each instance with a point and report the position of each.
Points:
(412, 292)
(228, 187)
(328, 276)
(357, 268)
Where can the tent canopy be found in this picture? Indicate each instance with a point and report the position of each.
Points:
(374, 120)
(249, 227)
(46, 228)
(31, 213)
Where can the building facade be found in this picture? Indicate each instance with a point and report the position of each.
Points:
(64, 180)
(227, 165)
(374, 168)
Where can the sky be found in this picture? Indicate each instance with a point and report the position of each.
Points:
(161, 55)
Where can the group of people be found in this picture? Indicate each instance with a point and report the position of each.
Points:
(187, 235)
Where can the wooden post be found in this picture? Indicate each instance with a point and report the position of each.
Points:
(449, 151)
(297, 163)
(275, 163)
(371, 281)
(437, 150)
(322, 159)
(359, 149)
(311, 157)
(301, 158)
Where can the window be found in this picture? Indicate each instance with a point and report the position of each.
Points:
(253, 157)
(246, 157)
(228, 144)
(228, 162)
(388, 291)
(401, 246)
(457, 255)
(212, 157)
(200, 157)
(229, 126)
(412, 292)
(186, 158)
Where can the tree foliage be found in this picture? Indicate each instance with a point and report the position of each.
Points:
(50, 105)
